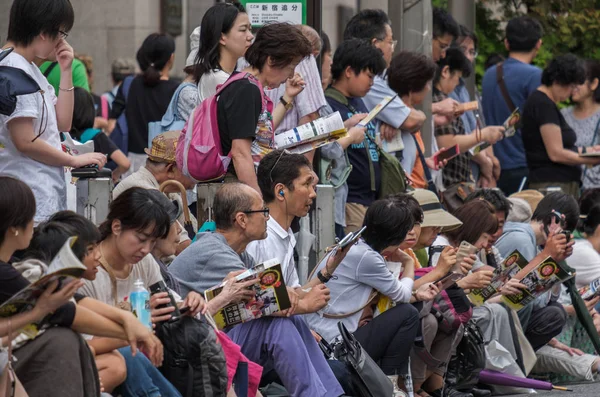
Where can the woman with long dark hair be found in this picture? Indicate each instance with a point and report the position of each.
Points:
(148, 96)
(225, 35)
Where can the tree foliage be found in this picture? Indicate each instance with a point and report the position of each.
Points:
(569, 26)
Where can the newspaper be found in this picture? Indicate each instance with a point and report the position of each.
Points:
(271, 296)
(65, 267)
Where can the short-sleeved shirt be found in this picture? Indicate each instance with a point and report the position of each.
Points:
(101, 288)
(80, 78)
(102, 143)
(279, 244)
(209, 82)
(540, 110)
(243, 113)
(361, 156)
(521, 80)
(144, 105)
(47, 182)
(585, 129)
(459, 168)
(189, 98)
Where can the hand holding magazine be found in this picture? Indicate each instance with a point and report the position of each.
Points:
(64, 269)
(270, 295)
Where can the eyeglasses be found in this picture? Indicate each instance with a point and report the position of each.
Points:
(285, 151)
(265, 212)
(63, 35)
(443, 45)
(471, 52)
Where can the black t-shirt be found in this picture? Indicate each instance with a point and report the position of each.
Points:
(103, 144)
(144, 105)
(537, 111)
(238, 112)
(11, 282)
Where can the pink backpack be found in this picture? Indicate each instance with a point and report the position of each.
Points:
(199, 154)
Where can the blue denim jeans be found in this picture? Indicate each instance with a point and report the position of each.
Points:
(143, 379)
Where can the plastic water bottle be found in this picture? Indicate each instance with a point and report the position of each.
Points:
(140, 303)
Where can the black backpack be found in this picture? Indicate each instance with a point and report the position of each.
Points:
(194, 361)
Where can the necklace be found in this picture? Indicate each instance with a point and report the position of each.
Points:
(113, 279)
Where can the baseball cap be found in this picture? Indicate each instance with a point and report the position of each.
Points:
(194, 45)
(433, 213)
(533, 197)
(163, 147)
(123, 66)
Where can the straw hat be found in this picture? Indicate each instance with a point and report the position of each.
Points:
(433, 213)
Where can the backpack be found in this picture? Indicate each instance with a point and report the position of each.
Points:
(194, 361)
(172, 120)
(199, 153)
(120, 135)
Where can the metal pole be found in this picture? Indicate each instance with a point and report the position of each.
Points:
(463, 12)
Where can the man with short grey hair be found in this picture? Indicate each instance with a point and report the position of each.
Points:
(280, 342)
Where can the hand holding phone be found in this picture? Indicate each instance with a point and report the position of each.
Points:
(446, 154)
(464, 250)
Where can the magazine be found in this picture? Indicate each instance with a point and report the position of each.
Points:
(507, 269)
(590, 291)
(538, 281)
(65, 267)
(271, 296)
(510, 128)
(317, 130)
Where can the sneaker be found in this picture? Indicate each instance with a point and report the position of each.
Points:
(397, 391)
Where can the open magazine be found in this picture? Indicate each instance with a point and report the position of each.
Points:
(270, 296)
(504, 272)
(511, 124)
(65, 267)
(538, 281)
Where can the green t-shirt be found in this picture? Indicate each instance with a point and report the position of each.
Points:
(79, 75)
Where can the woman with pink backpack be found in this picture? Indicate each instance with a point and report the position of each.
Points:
(241, 119)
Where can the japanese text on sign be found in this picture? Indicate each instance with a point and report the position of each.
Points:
(263, 13)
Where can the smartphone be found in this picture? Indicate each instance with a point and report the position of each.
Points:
(464, 250)
(353, 238)
(448, 280)
(4, 53)
(446, 154)
(162, 287)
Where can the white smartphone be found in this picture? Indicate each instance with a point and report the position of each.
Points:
(464, 250)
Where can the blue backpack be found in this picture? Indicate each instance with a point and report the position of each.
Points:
(120, 135)
(172, 120)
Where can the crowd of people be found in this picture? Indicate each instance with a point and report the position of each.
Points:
(536, 191)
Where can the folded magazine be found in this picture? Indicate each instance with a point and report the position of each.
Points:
(510, 266)
(538, 281)
(270, 295)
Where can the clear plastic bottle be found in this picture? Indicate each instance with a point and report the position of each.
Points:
(140, 303)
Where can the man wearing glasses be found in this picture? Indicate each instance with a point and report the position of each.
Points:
(52, 72)
(281, 342)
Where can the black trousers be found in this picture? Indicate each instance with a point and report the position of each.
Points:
(544, 324)
(389, 338)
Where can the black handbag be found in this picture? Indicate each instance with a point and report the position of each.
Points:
(369, 380)
(464, 368)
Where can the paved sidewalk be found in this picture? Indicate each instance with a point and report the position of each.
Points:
(581, 390)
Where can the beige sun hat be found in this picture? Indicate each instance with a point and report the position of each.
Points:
(433, 213)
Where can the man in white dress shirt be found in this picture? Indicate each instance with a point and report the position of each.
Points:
(287, 183)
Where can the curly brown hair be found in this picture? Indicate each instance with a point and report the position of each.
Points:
(283, 43)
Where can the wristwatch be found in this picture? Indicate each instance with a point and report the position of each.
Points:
(286, 104)
(322, 278)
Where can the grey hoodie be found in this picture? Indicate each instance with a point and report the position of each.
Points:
(518, 236)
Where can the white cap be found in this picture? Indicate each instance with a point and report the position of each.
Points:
(194, 45)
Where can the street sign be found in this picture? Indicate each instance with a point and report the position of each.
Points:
(262, 12)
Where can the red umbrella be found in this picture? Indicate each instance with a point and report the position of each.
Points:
(498, 378)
